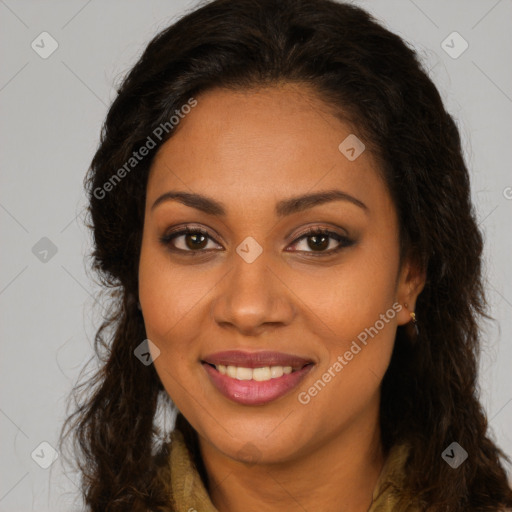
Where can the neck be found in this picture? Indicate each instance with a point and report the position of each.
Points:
(336, 475)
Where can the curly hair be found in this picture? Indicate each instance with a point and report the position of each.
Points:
(363, 73)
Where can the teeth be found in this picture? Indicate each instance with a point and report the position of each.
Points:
(276, 371)
(243, 373)
(261, 374)
(257, 374)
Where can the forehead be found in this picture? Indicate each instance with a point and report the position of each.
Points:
(247, 146)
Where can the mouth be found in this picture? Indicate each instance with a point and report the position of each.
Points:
(260, 374)
(255, 378)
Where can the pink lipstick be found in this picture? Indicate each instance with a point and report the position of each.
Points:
(255, 378)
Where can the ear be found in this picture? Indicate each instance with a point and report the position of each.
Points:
(411, 281)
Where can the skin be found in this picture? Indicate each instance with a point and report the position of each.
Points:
(250, 150)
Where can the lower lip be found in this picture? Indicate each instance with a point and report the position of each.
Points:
(252, 392)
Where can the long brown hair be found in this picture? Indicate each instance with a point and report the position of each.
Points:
(365, 74)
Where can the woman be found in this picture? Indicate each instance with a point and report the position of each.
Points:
(281, 208)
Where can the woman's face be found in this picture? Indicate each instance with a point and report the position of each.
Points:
(255, 284)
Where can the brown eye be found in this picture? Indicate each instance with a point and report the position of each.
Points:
(194, 240)
(318, 240)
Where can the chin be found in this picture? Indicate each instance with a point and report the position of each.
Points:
(258, 442)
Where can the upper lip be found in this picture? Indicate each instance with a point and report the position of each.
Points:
(256, 359)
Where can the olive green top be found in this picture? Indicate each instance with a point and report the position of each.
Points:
(188, 493)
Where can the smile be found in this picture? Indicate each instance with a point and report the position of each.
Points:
(256, 378)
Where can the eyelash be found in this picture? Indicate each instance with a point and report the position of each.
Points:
(343, 240)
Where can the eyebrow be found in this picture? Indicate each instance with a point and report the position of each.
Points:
(283, 208)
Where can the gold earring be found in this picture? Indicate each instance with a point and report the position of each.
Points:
(412, 329)
(415, 324)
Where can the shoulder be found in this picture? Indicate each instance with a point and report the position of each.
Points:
(389, 494)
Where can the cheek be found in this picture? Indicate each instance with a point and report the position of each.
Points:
(169, 301)
(361, 314)
(355, 308)
(349, 297)
(170, 295)
(174, 300)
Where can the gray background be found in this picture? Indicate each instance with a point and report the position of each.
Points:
(52, 110)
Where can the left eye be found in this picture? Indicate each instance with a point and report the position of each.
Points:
(195, 241)
(319, 239)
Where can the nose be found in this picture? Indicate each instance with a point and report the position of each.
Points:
(253, 298)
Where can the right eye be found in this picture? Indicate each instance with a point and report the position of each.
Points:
(193, 240)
